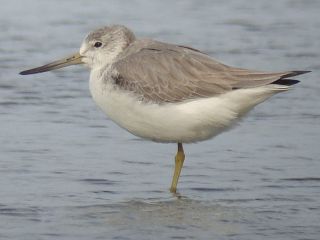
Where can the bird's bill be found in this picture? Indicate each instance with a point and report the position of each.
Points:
(70, 60)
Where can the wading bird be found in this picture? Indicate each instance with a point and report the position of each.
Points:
(166, 92)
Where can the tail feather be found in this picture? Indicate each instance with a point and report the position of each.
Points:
(288, 82)
(294, 73)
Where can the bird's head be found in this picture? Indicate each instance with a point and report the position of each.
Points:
(102, 46)
(98, 49)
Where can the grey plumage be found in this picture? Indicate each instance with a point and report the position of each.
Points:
(165, 73)
(115, 32)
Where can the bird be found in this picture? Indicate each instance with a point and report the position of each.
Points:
(165, 92)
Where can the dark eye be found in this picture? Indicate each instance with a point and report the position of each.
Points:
(97, 44)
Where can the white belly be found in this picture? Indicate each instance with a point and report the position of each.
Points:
(189, 121)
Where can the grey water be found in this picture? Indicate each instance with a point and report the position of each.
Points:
(67, 172)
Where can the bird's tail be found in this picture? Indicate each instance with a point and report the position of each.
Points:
(285, 81)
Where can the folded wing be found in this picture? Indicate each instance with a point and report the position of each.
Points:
(162, 73)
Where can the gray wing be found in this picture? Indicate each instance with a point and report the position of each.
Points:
(160, 72)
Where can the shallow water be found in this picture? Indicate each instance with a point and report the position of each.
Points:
(67, 172)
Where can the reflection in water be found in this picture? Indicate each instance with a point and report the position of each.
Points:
(174, 217)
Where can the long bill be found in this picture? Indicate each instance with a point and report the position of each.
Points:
(70, 60)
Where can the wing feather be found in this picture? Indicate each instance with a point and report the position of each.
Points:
(160, 72)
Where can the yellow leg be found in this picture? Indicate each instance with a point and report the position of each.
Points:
(177, 169)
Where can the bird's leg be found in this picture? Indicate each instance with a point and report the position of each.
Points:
(177, 169)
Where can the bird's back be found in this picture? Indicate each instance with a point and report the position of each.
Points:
(163, 73)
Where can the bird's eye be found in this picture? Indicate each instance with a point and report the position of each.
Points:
(97, 44)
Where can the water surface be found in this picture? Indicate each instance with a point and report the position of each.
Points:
(67, 172)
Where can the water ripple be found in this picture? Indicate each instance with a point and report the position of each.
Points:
(98, 181)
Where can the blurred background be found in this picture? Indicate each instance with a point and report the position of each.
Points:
(67, 172)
